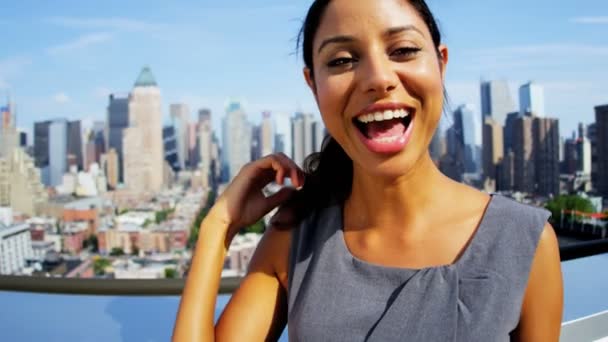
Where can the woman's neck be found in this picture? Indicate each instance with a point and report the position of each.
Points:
(398, 202)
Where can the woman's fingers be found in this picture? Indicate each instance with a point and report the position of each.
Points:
(281, 166)
(295, 173)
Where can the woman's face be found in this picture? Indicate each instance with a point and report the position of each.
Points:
(378, 82)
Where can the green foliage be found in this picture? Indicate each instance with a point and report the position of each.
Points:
(147, 222)
(258, 228)
(567, 202)
(123, 211)
(162, 215)
(135, 251)
(199, 219)
(99, 266)
(170, 273)
(117, 251)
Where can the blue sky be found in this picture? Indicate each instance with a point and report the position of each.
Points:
(62, 58)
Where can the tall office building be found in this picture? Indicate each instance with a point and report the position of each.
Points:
(171, 147)
(9, 138)
(20, 182)
(236, 140)
(464, 128)
(524, 158)
(508, 131)
(532, 100)
(58, 148)
(496, 101)
(592, 136)
(180, 116)
(206, 149)
(109, 163)
(303, 143)
(545, 135)
(492, 152)
(143, 140)
(601, 122)
(74, 142)
(118, 121)
(266, 134)
(283, 135)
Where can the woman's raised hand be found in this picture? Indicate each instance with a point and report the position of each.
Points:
(243, 203)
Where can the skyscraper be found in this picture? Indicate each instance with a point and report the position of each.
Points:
(283, 135)
(109, 163)
(601, 122)
(237, 140)
(180, 116)
(205, 143)
(303, 138)
(496, 100)
(492, 152)
(592, 136)
(523, 153)
(171, 147)
(532, 99)
(118, 121)
(74, 142)
(464, 126)
(508, 131)
(546, 154)
(58, 148)
(266, 134)
(41, 143)
(143, 140)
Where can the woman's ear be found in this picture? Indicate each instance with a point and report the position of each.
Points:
(443, 59)
(310, 80)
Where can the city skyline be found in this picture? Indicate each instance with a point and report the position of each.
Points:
(80, 56)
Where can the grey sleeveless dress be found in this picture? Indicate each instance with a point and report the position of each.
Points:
(333, 296)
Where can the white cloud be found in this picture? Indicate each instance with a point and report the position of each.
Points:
(81, 42)
(61, 98)
(121, 24)
(590, 20)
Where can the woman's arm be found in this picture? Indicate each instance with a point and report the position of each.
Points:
(257, 311)
(254, 309)
(541, 314)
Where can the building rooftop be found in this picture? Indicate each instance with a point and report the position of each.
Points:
(145, 78)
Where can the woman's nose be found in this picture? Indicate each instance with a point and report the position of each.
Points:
(378, 76)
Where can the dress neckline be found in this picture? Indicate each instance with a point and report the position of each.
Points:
(472, 242)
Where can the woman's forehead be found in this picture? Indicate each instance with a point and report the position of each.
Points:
(348, 17)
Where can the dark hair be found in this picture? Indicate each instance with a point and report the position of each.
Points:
(329, 173)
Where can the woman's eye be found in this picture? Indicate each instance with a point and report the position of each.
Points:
(406, 51)
(340, 62)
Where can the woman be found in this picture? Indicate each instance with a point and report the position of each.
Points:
(379, 245)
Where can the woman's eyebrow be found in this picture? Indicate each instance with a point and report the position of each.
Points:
(336, 39)
(389, 32)
(400, 29)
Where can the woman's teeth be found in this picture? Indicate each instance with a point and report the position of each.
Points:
(382, 116)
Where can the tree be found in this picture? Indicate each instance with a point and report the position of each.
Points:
(135, 251)
(117, 251)
(170, 273)
(567, 202)
(100, 265)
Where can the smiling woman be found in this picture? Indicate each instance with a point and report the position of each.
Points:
(375, 243)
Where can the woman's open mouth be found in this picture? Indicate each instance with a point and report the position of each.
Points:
(385, 131)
